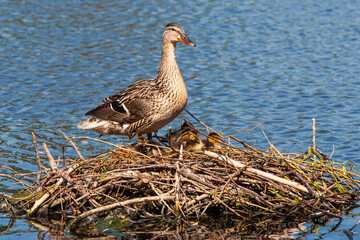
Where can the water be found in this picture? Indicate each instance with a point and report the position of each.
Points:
(278, 62)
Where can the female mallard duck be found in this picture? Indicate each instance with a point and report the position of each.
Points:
(146, 105)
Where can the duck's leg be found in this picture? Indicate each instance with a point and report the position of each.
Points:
(149, 135)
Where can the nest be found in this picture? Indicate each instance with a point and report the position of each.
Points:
(159, 182)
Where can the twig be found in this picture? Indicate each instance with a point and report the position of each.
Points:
(354, 225)
(51, 159)
(159, 194)
(38, 177)
(16, 180)
(245, 144)
(74, 146)
(272, 147)
(314, 135)
(17, 173)
(248, 129)
(197, 199)
(187, 173)
(177, 187)
(181, 152)
(207, 127)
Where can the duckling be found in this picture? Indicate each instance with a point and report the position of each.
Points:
(140, 145)
(175, 137)
(187, 136)
(143, 147)
(191, 140)
(212, 142)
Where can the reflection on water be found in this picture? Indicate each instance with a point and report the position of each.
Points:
(278, 62)
(50, 230)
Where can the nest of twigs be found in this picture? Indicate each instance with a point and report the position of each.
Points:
(245, 183)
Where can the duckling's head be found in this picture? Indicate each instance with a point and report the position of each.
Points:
(186, 136)
(213, 142)
(141, 140)
(186, 124)
(191, 135)
(174, 33)
(213, 137)
(191, 140)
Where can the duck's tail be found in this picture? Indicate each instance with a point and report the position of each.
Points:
(103, 126)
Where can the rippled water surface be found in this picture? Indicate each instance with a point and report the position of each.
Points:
(278, 62)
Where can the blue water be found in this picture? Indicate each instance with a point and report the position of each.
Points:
(278, 62)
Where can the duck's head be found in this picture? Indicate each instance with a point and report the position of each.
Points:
(174, 33)
(213, 142)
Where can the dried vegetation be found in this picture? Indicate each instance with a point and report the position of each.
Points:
(247, 184)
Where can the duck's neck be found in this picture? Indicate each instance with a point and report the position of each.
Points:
(169, 72)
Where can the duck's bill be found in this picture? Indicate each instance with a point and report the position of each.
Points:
(185, 40)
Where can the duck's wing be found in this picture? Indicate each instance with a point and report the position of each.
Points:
(128, 106)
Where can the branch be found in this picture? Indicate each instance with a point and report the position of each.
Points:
(37, 159)
(74, 146)
(258, 172)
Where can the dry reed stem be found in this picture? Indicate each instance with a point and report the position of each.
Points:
(18, 174)
(38, 161)
(177, 185)
(207, 127)
(72, 144)
(51, 159)
(314, 135)
(16, 180)
(248, 129)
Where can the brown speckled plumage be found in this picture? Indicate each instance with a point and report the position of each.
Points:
(146, 105)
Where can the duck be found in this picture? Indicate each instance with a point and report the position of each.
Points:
(187, 136)
(146, 105)
(212, 142)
